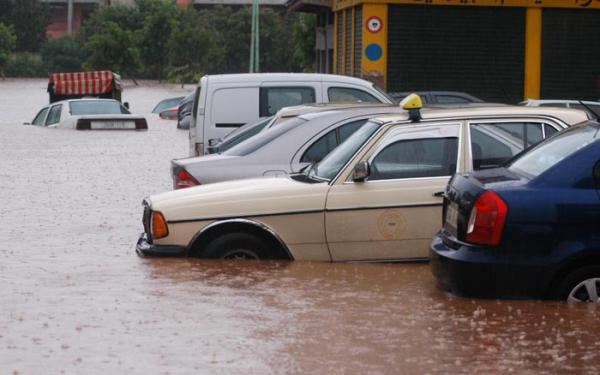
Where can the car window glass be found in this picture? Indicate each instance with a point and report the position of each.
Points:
(254, 143)
(39, 119)
(348, 129)
(320, 148)
(242, 136)
(549, 130)
(166, 104)
(54, 115)
(451, 99)
(494, 143)
(561, 105)
(330, 166)
(348, 95)
(593, 107)
(551, 152)
(275, 98)
(412, 158)
(97, 107)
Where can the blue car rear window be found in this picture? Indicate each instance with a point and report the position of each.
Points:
(551, 152)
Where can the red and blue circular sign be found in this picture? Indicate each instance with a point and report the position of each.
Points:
(374, 24)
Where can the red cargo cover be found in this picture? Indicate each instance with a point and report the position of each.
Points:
(85, 83)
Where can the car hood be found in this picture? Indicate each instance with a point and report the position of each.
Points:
(241, 198)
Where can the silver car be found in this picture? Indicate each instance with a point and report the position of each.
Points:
(286, 148)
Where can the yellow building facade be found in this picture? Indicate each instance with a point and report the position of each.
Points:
(499, 50)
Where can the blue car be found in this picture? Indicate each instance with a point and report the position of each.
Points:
(530, 229)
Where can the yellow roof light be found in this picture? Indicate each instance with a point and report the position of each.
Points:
(412, 101)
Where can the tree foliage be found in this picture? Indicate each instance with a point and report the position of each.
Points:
(157, 39)
(193, 49)
(62, 55)
(29, 19)
(113, 49)
(160, 21)
(7, 45)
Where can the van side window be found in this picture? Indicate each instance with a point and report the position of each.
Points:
(348, 95)
(39, 119)
(54, 115)
(494, 143)
(272, 99)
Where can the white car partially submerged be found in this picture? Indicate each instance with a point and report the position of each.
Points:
(89, 114)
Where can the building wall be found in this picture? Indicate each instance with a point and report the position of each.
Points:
(500, 50)
(58, 25)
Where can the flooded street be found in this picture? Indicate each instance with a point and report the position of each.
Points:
(75, 298)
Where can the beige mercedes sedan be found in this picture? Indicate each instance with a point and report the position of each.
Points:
(376, 197)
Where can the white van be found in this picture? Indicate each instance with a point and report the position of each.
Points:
(225, 102)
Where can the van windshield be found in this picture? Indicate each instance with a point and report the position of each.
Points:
(261, 139)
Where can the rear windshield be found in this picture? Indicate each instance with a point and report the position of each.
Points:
(239, 137)
(97, 107)
(166, 104)
(261, 139)
(551, 152)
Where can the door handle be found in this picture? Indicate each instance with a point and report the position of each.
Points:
(441, 194)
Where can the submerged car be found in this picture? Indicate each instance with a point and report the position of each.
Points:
(376, 197)
(280, 150)
(89, 114)
(184, 112)
(167, 103)
(530, 229)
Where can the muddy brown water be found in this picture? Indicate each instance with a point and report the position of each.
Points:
(75, 298)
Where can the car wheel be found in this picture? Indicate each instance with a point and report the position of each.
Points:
(236, 246)
(582, 285)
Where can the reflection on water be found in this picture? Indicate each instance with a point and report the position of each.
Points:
(387, 318)
(76, 299)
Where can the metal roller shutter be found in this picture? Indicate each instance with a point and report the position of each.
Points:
(570, 54)
(348, 41)
(358, 41)
(479, 50)
(339, 46)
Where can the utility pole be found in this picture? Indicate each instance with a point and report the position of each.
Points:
(69, 17)
(254, 42)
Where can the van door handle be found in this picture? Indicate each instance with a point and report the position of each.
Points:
(440, 194)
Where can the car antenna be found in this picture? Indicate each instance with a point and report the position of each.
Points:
(590, 109)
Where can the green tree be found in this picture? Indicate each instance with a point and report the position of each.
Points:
(127, 17)
(7, 45)
(29, 19)
(160, 19)
(62, 55)
(113, 49)
(193, 49)
(303, 42)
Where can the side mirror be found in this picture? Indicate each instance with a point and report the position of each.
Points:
(362, 170)
(126, 105)
(214, 141)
